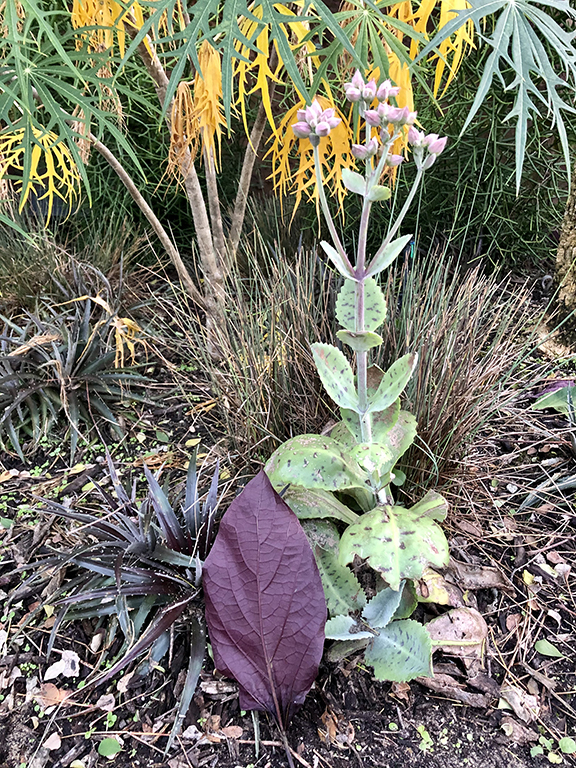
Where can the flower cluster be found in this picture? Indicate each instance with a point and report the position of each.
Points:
(358, 90)
(420, 141)
(315, 122)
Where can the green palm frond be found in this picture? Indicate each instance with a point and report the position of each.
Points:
(529, 42)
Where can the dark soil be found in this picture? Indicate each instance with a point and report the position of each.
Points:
(349, 718)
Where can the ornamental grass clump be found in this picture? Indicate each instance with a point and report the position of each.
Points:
(348, 474)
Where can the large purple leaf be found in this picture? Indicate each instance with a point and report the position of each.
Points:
(265, 606)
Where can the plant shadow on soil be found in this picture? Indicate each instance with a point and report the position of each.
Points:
(349, 718)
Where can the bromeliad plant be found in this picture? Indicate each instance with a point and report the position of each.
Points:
(347, 475)
(70, 362)
(142, 564)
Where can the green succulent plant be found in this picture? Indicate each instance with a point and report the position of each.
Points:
(61, 365)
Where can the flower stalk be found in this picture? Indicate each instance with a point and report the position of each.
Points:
(314, 124)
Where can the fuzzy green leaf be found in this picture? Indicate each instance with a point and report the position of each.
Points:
(393, 382)
(391, 252)
(345, 628)
(341, 588)
(354, 181)
(337, 260)
(401, 652)
(336, 375)
(322, 534)
(383, 606)
(309, 503)
(378, 193)
(400, 437)
(348, 430)
(314, 462)
(360, 341)
(374, 305)
(376, 459)
(398, 543)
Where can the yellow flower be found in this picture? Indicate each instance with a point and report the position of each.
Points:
(52, 167)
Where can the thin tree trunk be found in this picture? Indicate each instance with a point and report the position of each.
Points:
(215, 212)
(239, 210)
(566, 253)
(163, 236)
(214, 282)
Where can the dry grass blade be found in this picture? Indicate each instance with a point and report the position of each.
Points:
(266, 384)
(473, 333)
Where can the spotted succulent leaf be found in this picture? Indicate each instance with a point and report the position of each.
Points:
(336, 375)
(374, 305)
(398, 543)
(315, 462)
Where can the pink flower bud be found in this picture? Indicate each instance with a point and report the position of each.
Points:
(369, 91)
(395, 115)
(364, 151)
(301, 129)
(394, 160)
(301, 114)
(359, 151)
(415, 137)
(352, 94)
(394, 91)
(429, 139)
(429, 162)
(384, 90)
(334, 121)
(322, 129)
(411, 118)
(358, 80)
(437, 146)
(372, 118)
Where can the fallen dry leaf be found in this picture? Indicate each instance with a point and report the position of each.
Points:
(106, 702)
(401, 691)
(461, 632)
(214, 687)
(337, 731)
(52, 742)
(50, 695)
(513, 621)
(454, 690)
(470, 528)
(468, 576)
(516, 732)
(433, 588)
(69, 666)
(524, 705)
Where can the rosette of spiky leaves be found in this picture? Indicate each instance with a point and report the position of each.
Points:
(143, 564)
(64, 365)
